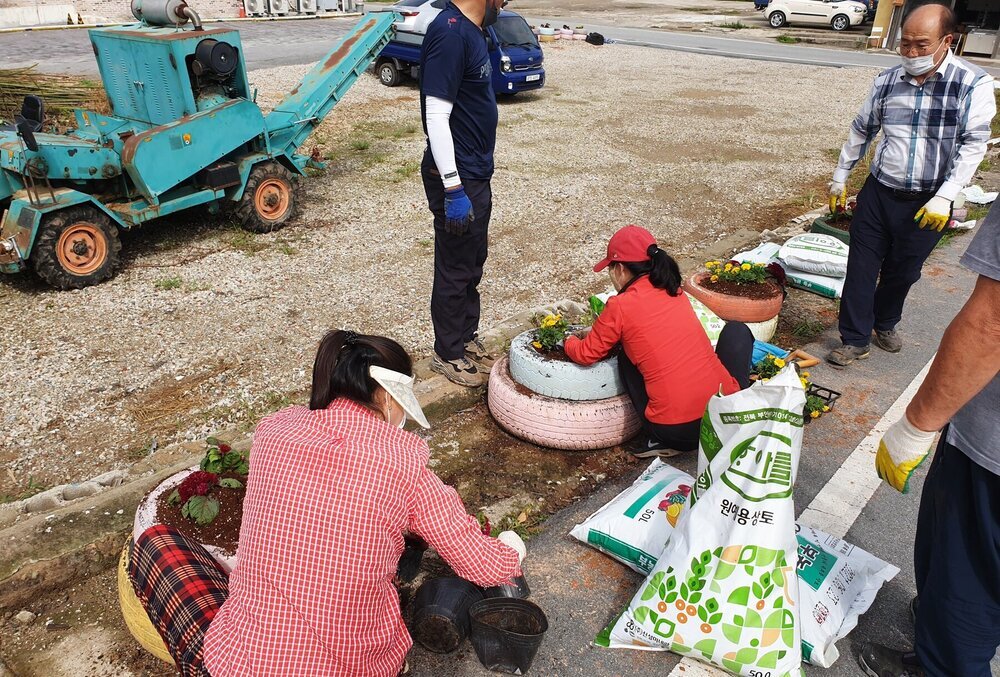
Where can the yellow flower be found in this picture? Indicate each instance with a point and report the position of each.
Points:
(814, 414)
(537, 345)
(711, 264)
(746, 266)
(729, 267)
(826, 407)
(779, 363)
(714, 278)
(805, 374)
(805, 383)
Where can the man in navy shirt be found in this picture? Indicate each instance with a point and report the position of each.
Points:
(459, 111)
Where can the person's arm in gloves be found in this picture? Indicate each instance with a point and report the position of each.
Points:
(934, 214)
(967, 360)
(838, 196)
(458, 213)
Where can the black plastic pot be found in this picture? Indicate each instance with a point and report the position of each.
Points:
(409, 561)
(506, 633)
(440, 620)
(516, 589)
(825, 394)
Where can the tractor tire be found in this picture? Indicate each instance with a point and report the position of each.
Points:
(270, 199)
(388, 74)
(76, 247)
(559, 424)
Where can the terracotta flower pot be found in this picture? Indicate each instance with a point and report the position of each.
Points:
(734, 308)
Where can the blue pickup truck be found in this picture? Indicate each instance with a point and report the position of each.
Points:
(514, 51)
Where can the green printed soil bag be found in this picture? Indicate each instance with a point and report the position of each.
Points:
(710, 322)
(724, 590)
(635, 525)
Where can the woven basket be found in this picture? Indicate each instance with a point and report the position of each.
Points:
(136, 619)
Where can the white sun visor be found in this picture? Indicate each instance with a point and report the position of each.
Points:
(400, 387)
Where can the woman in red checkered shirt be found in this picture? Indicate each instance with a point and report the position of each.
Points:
(331, 492)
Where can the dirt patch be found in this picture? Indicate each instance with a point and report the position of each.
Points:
(708, 151)
(746, 291)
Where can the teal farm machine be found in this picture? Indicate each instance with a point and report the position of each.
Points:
(184, 131)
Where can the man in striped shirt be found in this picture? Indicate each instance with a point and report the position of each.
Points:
(934, 111)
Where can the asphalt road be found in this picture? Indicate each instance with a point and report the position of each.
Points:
(279, 43)
(582, 590)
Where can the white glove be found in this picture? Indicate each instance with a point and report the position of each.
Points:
(838, 195)
(934, 214)
(900, 451)
(514, 542)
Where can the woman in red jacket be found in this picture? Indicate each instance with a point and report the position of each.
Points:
(332, 490)
(667, 364)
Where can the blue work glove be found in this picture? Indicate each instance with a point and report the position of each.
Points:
(458, 212)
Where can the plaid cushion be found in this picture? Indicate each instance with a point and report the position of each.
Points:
(182, 587)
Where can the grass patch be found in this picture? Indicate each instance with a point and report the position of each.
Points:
(287, 249)
(986, 165)
(360, 145)
(409, 169)
(245, 242)
(788, 39)
(861, 170)
(405, 130)
(995, 125)
(168, 283)
(948, 236)
(525, 520)
(30, 490)
(807, 330)
(734, 25)
(977, 212)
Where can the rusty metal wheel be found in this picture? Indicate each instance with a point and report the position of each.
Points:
(76, 247)
(270, 199)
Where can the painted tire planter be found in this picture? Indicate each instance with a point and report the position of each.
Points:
(562, 380)
(734, 308)
(559, 424)
(137, 621)
(764, 331)
(821, 226)
(145, 517)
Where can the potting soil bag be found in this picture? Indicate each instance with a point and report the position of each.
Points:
(635, 525)
(830, 287)
(837, 583)
(724, 590)
(815, 253)
(764, 254)
(710, 322)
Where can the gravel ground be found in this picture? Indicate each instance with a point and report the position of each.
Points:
(208, 326)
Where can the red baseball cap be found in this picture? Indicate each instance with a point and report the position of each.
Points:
(629, 245)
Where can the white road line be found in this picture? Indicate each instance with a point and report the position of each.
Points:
(838, 504)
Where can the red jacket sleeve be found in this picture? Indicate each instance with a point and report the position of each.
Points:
(440, 519)
(605, 334)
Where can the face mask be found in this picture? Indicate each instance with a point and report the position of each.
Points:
(388, 411)
(918, 65)
(492, 14)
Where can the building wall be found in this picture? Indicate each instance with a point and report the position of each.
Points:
(49, 12)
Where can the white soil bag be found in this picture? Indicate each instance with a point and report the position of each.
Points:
(724, 590)
(815, 253)
(635, 525)
(837, 583)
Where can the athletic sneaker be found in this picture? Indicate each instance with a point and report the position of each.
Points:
(881, 661)
(846, 354)
(890, 341)
(460, 371)
(655, 449)
(476, 353)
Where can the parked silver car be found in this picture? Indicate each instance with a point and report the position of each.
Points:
(417, 16)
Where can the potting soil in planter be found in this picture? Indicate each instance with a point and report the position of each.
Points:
(224, 530)
(724, 590)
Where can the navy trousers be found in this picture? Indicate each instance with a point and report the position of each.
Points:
(957, 564)
(734, 350)
(887, 252)
(458, 264)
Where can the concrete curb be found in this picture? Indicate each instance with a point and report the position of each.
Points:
(325, 15)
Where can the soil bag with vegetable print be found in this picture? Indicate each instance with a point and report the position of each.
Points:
(724, 590)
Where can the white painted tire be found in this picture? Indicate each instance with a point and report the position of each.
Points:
(764, 331)
(559, 424)
(145, 516)
(562, 380)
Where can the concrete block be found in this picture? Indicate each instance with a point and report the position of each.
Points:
(112, 478)
(25, 617)
(47, 500)
(71, 492)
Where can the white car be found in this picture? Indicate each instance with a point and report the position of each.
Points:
(417, 16)
(840, 14)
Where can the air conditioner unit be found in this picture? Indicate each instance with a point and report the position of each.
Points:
(306, 6)
(254, 7)
(277, 7)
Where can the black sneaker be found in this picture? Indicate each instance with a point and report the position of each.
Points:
(655, 449)
(460, 371)
(881, 661)
(889, 340)
(846, 354)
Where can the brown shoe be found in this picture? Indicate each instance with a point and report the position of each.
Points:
(460, 371)
(476, 353)
(890, 341)
(845, 354)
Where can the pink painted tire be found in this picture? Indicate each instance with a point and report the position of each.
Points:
(559, 424)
